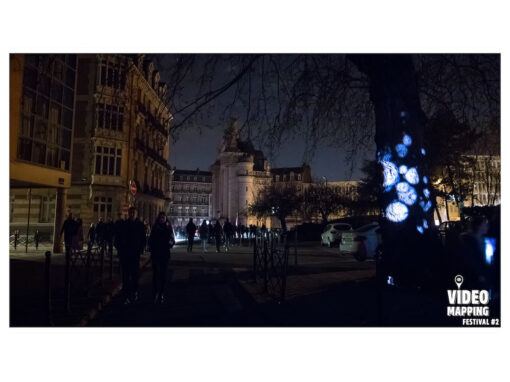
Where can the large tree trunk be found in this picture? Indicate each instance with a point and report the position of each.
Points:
(398, 117)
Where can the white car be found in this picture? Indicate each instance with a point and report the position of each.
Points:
(363, 242)
(332, 233)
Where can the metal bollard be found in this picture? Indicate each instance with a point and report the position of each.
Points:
(67, 281)
(48, 286)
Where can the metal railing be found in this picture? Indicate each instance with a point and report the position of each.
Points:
(270, 263)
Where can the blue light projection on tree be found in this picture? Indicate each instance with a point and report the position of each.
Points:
(406, 193)
(412, 176)
(390, 173)
(399, 177)
(397, 212)
(401, 150)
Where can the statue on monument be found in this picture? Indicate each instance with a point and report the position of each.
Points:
(230, 137)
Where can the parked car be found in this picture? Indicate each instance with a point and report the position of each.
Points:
(332, 233)
(364, 242)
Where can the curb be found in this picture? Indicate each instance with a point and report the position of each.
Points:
(84, 321)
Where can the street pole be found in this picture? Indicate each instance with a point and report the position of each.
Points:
(28, 217)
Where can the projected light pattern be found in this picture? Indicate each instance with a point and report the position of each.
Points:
(402, 169)
(426, 206)
(406, 193)
(397, 212)
(412, 176)
(489, 249)
(420, 229)
(423, 151)
(401, 150)
(390, 173)
(426, 192)
(425, 180)
(407, 140)
(425, 224)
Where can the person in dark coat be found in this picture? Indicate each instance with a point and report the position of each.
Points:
(69, 230)
(191, 228)
(91, 235)
(161, 240)
(218, 233)
(108, 235)
(229, 231)
(473, 266)
(78, 235)
(203, 232)
(100, 232)
(131, 243)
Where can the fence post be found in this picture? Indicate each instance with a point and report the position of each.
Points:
(67, 281)
(110, 249)
(16, 238)
(87, 267)
(265, 263)
(255, 260)
(102, 264)
(295, 247)
(48, 286)
(36, 239)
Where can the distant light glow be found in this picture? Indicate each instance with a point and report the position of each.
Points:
(412, 176)
(390, 173)
(406, 193)
(386, 157)
(425, 180)
(401, 150)
(436, 222)
(420, 229)
(426, 192)
(407, 140)
(423, 151)
(397, 212)
(425, 224)
(402, 169)
(490, 245)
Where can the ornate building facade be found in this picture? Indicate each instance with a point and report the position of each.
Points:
(240, 173)
(121, 137)
(191, 196)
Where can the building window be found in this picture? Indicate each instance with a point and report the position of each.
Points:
(108, 161)
(44, 210)
(110, 117)
(102, 208)
(111, 76)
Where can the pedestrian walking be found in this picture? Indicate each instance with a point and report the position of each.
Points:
(131, 243)
(108, 235)
(161, 240)
(91, 235)
(229, 231)
(203, 232)
(100, 232)
(191, 228)
(68, 229)
(78, 236)
(218, 233)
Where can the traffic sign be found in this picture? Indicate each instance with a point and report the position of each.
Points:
(132, 187)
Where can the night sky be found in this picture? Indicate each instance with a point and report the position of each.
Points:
(198, 149)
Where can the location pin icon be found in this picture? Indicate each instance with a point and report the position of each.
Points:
(459, 280)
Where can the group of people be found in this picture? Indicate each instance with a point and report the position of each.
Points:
(208, 231)
(130, 237)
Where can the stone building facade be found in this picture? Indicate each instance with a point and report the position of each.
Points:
(191, 196)
(240, 173)
(121, 137)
